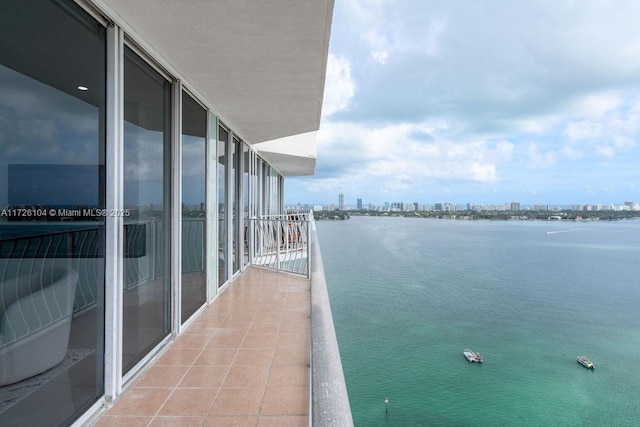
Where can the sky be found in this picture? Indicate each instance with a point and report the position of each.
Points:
(485, 102)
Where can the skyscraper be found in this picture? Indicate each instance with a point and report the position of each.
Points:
(341, 201)
(359, 204)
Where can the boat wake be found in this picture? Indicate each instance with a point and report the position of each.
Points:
(564, 231)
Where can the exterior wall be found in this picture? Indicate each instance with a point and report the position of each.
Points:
(116, 219)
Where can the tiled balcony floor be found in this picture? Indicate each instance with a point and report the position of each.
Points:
(243, 362)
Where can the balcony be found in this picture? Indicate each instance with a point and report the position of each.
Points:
(263, 353)
(243, 361)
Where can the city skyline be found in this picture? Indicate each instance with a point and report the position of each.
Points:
(451, 206)
(445, 101)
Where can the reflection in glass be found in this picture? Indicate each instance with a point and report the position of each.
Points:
(223, 137)
(146, 140)
(51, 183)
(235, 200)
(194, 137)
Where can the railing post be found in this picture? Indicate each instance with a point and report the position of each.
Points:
(278, 240)
(251, 230)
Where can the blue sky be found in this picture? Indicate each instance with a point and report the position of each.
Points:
(479, 101)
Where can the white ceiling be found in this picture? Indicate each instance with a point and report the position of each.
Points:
(259, 63)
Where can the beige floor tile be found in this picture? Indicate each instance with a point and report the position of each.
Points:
(269, 316)
(216, 357)
(189, 402)
(226, 341)
(193, 340)
(179, 356)
(204, 377)
(162, 376)
(288, 376)
(123, 421)
(240, 314)
(295, 327)
(264, 328)
(140, 401)
(238, 401)
(231, 421)
(247, 376)
(286, 401)
(233, 328)
(283, 421)
(291, 356)
(254, 357)
(177, 422)
(293, 340)
(260, 341)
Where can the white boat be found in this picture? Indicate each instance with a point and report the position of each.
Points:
(585, 362)
(472, 356)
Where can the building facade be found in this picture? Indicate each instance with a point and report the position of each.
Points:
(136, 140)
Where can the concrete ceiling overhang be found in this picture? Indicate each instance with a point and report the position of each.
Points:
(291, 156)
(260, 64)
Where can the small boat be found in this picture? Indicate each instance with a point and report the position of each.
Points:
(472, 356)
(585, 362)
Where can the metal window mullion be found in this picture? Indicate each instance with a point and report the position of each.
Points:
(211, 203)
(252, 206)
(229, 206)
(240, 204)
(176, 208)
(114, 224)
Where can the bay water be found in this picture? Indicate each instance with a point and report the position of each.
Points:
(408, 295)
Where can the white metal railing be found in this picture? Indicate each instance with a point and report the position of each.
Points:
(280, 242)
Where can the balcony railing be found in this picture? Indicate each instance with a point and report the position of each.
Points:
(77, 249)
(280, 242)
(329, 399)
(289, 243)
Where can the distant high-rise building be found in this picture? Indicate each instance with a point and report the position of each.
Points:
(359, 204)
(437, 206)
(341, 201)
(515, 206)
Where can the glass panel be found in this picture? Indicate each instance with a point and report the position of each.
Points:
(262, 188)
(147, 109)
(52, 111)
(223, 137)
(194, 140)
(272, 182)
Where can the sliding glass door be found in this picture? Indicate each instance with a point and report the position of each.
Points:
(147, 132)
(223, 190)
(52, 186)
(194, 140)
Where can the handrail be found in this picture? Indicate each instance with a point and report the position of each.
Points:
(329, 399)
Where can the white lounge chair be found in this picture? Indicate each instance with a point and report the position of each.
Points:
(35, 320)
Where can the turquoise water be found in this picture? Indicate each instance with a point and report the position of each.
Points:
(408, 295)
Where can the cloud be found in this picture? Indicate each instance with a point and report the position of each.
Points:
(477, 99)
(539, 159)
(339, 87)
